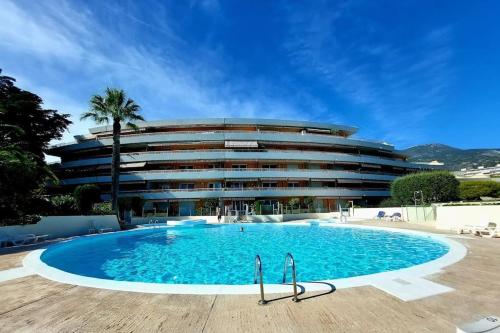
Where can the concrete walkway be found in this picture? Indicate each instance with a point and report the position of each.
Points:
(34, 304)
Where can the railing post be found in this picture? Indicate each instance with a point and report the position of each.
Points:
(258, 266)
(294, 276)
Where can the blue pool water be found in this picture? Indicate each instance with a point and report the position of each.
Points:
(221, 254)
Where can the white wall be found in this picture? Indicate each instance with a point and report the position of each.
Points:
(371, 213)
(163, 219)
(447, 217)
(251, 218)
(455, 217)
(64, 226)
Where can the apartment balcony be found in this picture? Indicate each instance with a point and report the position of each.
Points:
(254, 192)
(221, 136)
(233, 174)
(231, 155)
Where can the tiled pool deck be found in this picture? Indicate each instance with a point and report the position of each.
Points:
(35, 304)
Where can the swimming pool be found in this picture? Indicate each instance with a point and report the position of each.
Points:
(223, 255)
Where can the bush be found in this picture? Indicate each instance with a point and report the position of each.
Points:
(389, 202)
(102, 208)
(85, 196)
(294, 202)
(474, 190)
(436, 186)
(63, 205)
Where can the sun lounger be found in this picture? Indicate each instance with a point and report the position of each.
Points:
(474, 228)
(93, 229)
(380, 215)
(394, 217)
(19, 239)
(492, 230)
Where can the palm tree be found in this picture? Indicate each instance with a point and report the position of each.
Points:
(116, 107)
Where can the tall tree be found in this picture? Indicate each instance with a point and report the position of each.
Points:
(25, 132)
(114, 107)
(25, 123)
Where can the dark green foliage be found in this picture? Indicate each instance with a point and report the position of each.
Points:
(20, 179)
(25, 131)
(210, 203)
(389, 202)
(25, 123)
(474, 190)
(308, 201)
(64, 205)
(85, 196)
(437, 186)
(294, 202)
(102, 208)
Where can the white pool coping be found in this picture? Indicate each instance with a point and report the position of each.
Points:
(393, 282)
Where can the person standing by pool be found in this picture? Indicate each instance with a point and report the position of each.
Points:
(219, 215)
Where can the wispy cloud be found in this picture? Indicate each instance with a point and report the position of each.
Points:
(398, 84)
(77, 51)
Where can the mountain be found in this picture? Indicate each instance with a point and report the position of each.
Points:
(453, 158)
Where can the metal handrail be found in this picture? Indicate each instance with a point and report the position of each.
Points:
(289, 258)
(258, 266)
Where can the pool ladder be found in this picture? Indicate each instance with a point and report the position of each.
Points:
(289, 261)
(258, 268)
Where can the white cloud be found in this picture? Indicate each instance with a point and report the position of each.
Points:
(77, 56)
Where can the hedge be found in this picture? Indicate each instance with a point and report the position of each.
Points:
(436, 186)
(474, 190)
(85, 196)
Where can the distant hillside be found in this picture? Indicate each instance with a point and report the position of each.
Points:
(453, 158)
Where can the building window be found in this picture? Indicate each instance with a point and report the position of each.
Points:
(269, 184)
(186, 186)
(295, 184)
(236, 185)
(269, 166)
(215, 166)
(186, 167)
(239, 166)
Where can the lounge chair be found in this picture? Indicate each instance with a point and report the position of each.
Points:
(394, 217)
(474, 228)
(19, 239)
(380, 215)
(492, 230)
(93, 229)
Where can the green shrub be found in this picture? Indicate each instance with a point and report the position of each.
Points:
(474, 190)
(63, 205)
(436, 186)
(258, 206)
(294, 202)
(85, 196)
(102, 208)
(389, 202)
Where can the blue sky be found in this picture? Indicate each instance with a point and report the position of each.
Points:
(405, 72)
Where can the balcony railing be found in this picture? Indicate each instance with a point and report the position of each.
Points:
(57, 145)
(261, 170)
(243, 189)
(258, 150)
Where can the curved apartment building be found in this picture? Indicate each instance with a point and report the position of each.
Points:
(185, 167)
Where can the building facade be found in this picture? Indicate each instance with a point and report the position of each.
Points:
(189, 167)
